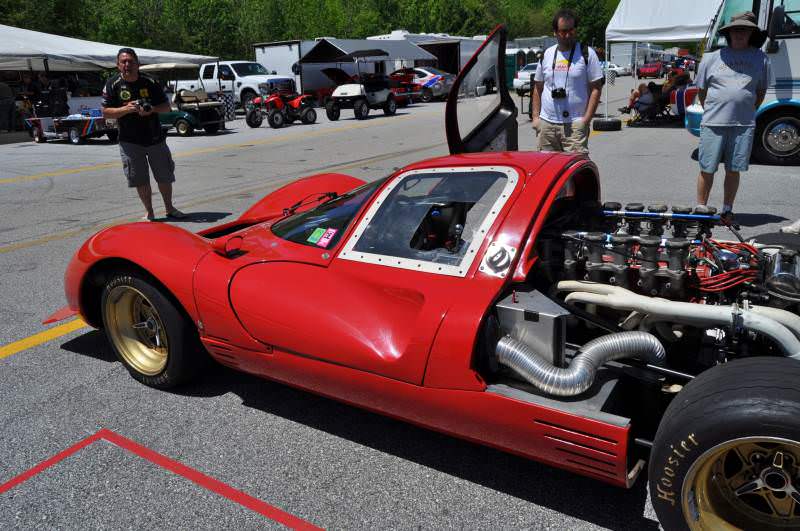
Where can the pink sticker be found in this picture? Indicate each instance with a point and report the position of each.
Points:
(326, 238)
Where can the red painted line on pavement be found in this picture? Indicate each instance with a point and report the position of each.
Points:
(44, 465)
(195, 476)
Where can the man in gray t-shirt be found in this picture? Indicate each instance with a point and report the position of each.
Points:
(732, 83)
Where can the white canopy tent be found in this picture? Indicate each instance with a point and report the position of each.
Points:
(22, 49)
(659, 21)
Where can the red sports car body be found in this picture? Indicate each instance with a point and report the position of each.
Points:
(487, 294)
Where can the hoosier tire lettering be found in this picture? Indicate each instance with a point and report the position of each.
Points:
(665, 485)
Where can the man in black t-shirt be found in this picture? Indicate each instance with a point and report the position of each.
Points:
(135, 100)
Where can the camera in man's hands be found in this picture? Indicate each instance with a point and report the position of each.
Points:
(558, 93)
(144, 105)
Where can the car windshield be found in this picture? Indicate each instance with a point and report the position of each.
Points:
(249, 69)
(324, 225)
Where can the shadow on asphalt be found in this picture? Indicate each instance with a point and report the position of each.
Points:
(567, 493)
(197, 217)
(755, 220)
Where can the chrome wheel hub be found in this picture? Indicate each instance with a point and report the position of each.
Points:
(782, 136)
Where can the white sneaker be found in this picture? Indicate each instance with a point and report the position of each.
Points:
(794, 228)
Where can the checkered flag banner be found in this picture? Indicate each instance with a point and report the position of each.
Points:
(611, 76)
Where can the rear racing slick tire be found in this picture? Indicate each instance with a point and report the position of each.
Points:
(333, 111)
(148, 332)
(727, 451)
(276, 119)
(361, 109)
(254, 118)
(308, 116)
(183, 127)
(390, 107)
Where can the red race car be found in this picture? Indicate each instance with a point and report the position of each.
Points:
(650, 70)
(490, 295)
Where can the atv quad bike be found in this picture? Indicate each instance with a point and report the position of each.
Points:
(280, 109)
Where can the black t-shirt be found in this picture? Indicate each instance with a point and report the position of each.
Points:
(142, 130)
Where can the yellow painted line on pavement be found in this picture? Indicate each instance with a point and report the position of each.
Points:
(40, 338)
(213, 149)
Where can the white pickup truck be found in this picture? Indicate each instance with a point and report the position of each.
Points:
(246, 79)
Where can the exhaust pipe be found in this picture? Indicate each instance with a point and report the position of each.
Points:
(580, 374)
(773, 323)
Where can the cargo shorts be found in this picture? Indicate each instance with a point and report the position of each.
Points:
(729, 144)
(571, 137)
(136, 158)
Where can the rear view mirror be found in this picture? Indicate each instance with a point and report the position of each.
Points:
(775, 27)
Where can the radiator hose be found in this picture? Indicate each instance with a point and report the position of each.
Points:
(580, 374)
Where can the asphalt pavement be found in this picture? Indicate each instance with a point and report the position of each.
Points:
(314, 459)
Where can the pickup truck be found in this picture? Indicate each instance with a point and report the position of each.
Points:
(246, 79)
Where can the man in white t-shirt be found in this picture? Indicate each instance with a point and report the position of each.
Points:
(566, 90)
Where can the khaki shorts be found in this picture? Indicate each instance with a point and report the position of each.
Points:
(563, 137)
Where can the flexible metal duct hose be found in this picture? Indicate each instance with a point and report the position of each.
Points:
(580, 374)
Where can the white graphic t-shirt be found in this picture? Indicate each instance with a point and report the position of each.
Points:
(574, 77)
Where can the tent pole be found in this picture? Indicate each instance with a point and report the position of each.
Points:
(605, 76)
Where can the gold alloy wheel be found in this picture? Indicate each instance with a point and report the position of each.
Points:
(746, 483)
(136, 330)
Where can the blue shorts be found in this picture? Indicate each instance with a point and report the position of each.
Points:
(731, 144)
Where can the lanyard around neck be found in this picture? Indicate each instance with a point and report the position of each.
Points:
(569, 63)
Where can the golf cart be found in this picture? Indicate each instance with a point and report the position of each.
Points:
(191, 109)
(368, 91)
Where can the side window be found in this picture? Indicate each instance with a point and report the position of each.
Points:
(791, 19)
(225, 71)
(432, 220)
(208, 72)
(419, 73)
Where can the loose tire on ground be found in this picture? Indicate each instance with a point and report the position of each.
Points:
(333, 111)
(276, 119)
(183, 127)
(113, 136)
(361, 109)
(726, 441)
(607, 124)
(254, 118)
(308, 116)
(150, 335)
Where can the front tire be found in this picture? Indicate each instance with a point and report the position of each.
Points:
(150, 335)
(276, 119)
(777, 138)
(183, 127)
(727, 451)
(426, 96)
(75, 137)
(361, 109)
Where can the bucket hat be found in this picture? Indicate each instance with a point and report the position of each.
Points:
(746, 20)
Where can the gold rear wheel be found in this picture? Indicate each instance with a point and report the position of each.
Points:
(746, 483)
